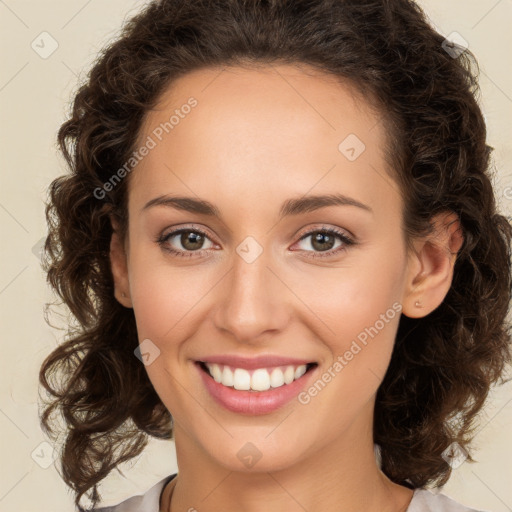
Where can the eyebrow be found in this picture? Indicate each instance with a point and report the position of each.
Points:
(294, 206)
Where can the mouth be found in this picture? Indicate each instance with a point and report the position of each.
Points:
(257, 379)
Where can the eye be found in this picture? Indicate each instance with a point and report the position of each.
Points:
(191, 242)
(323, 242)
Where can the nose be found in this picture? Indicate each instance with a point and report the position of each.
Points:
(254, 302)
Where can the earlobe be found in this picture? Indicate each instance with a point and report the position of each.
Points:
(430, 266)
(119, 267)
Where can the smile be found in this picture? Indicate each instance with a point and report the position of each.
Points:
(259, 379)
(262, 387)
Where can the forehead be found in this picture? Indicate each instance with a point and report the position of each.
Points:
(259, 131)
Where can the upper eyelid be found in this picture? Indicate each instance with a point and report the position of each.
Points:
(336, 230)
(176, 231)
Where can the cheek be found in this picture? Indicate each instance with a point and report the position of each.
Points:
(165, 300)
(362, 312)
(358, 309)
(366, 291)
(162, 294)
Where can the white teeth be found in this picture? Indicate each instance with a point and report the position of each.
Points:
(300, 371)
(241, 379)
(216, 372)
(276, 378)
(289, 374)
(227, 376)
(260, 380)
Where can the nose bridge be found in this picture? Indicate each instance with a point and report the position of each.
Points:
(252, 299)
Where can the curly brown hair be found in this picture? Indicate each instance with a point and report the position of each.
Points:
(443, 365)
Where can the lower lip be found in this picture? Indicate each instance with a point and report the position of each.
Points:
(254, 402)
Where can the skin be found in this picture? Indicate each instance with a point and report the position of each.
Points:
(257, 138)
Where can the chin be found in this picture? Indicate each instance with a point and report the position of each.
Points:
(254, 451)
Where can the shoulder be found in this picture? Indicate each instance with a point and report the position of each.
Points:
(424, 500)
(147, 502)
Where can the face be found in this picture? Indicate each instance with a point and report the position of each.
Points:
(264, 270)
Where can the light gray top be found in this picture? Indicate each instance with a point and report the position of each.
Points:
(423, 500)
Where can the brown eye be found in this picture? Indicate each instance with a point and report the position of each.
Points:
(185, 242)
(191, 240)
(322, 242)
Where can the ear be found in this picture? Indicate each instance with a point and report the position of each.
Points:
(119, 266)
(430, 266)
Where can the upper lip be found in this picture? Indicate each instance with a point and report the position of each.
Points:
(252, 363)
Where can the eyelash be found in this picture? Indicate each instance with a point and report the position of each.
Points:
(347, 242)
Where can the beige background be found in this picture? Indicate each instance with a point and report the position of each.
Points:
(33, 99)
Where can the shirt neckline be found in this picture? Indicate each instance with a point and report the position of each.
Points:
(164, 485)
(168, 479)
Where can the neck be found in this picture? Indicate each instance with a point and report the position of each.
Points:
(341, 476)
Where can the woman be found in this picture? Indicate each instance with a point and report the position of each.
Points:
(281, 244)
